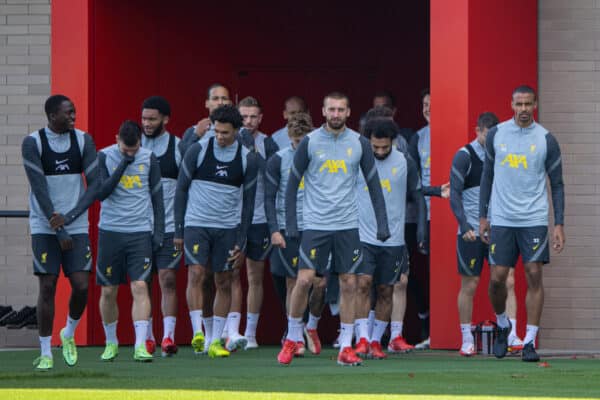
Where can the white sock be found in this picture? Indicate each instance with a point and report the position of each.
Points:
(467, 336)
(371, 322)
(169, 327)
(502, 320)
(233, 323)
(141, 332)
(196, 318)
(208, 328)
(379, 328)
(513, 331)
(217, 328)
(346, 335)
(531, 334)
(295, 326)
(70, 327)
(46, 346)
(397, 329)
(110, 332)
(150, 333)
(312, 322)
(363, 328)
(251, 323)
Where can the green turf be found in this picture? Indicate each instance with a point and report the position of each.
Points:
(430, 374)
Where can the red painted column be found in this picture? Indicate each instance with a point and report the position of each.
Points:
(70, 76)
(480, 51)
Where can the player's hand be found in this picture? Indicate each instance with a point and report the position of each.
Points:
(278, 240)
(64, 239)
(558, 238)
(178, 244)
(445, 190)
(57, 220)
(484, 230)
(128, 159)
(383, 236)
(202, 126)
(469, 236)
(234, 254)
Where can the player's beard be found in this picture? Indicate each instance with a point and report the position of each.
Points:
(382, 157)
(156, 132)
(336, 124)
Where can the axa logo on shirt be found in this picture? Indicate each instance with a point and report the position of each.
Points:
(515, 160)
(128, 181)
(61, 165)
(334, 166)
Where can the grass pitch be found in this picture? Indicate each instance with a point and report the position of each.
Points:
(256, 375)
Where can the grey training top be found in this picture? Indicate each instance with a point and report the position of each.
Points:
(131, 194)
(464, 201)
(159, 145)
(398, 177)
(281, 138)
(208, 203)
(420, 151)
(517, 161)
(330, 165)
(277, 176)
(65, 193)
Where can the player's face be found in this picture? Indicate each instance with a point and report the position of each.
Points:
(217, 97)
(128, 150)
(382, 147)
(252, 117)
(224, 133)
(336, 113)
(481, 134)
(153, 122)
(523, 105)
(63, 120)
(426, 107)
(291, 108)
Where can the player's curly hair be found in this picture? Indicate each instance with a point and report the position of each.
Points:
(381, 128)
(300, 124)
(227, 114)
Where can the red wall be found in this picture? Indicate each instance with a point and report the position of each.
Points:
(142, 48)
(480, 51)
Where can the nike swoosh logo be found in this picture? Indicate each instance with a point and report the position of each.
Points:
(354, 258)
(221, 166)
(61, 161)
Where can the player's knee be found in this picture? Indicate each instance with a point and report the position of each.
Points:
(196, 276)
(109, 293)
(510, 282)
(255, 278)
(168, 283)
(319, 284)
(47, 290)
(534, 280)
(348, 286)
(364, 285)
(223, 281)
(139, 289)
(469, 286)
(384, 295)
(496, 286)
(402, 282)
